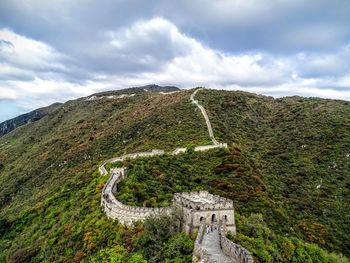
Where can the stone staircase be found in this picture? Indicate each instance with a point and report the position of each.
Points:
(215, 247)
(211, 243)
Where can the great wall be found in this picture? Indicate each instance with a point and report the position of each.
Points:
(200, 210)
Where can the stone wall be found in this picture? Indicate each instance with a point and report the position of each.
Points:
(124, 213)
(201, 148)
(217, 202)
(103, 170)
(236, 252)
(199, 207)
(209, 147)
(199, 253)
(221, 206)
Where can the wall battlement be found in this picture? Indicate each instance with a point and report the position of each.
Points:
(103, 170)
(202, 200)
(126, 214)
(203, 148)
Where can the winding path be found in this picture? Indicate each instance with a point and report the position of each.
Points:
(209, 244)
(205, 115)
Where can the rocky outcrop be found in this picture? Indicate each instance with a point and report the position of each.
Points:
(35, 115)
(134, 90)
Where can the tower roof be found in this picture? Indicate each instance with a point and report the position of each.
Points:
(202, 200)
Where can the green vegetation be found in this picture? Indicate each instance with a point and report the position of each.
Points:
(288, 160)
(301, 147)
(254, 234)
(70, 227)
(163, 241)
(229, 173)
(50, 190)
(80, 134)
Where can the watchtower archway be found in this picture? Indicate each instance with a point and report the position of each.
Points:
(213, 218)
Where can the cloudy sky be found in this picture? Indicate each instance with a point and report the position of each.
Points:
(62, 49)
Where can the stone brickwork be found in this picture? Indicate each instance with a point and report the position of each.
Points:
(124, 213)
(236, 252)
(199, 253)
(203, 207)
(204, 148)
(103, 170)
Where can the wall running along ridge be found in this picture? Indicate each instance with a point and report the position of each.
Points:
(128, 214)
(205, 115)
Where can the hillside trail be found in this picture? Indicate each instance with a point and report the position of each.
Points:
(205, 115)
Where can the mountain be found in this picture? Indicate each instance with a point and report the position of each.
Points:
(136, 90)
(288, 160)
(11, 124)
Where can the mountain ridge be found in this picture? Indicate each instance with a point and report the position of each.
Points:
(11, 124)
(35, 115)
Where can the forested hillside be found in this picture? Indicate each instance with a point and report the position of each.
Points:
(288, 160)
(301, 146)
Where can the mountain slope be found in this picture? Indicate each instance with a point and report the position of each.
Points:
(280, 151)
(302, 148)
(84, 132)
(9, 125)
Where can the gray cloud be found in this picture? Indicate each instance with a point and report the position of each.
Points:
(64, 49)
(279, 26)
(229, 25)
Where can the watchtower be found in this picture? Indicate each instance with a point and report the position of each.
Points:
(203, 206)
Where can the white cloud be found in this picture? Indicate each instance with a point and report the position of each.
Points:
(188, 61)
(156, 51)
(7, 94)
(323, 65)
(27, 53)
(149, 43)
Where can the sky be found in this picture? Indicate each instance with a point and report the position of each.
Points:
(62, 49)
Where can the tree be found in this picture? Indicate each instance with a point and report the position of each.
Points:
(179, 248)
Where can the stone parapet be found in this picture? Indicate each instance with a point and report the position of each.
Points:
(204, 148)
(103, 170)
(202, 200)
(236, 252)
(126, 214)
